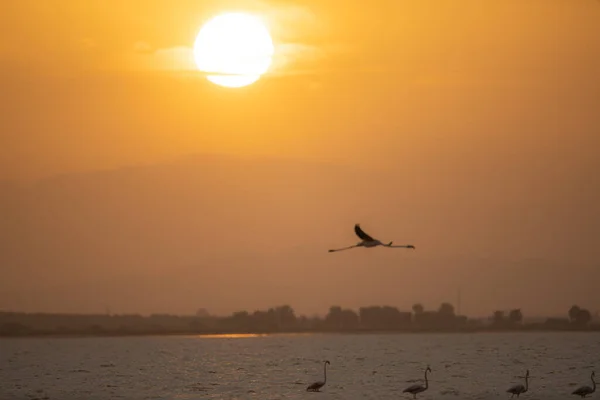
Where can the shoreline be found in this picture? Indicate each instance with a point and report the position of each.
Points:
(250, 334)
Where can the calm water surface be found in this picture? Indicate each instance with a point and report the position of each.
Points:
(465, 366)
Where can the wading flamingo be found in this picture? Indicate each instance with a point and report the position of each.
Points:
(416, 388)
(518, 389)
(585, 390)
(314, 387)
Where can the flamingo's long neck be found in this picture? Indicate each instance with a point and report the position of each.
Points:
(325, 373)
(426, 380)
(593, 384)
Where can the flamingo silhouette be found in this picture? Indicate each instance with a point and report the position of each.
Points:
(368, 241)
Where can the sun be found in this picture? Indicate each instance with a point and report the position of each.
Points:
(235, 49)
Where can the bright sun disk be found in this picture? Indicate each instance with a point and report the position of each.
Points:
(235, 49)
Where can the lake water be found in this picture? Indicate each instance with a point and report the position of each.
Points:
(367, 366)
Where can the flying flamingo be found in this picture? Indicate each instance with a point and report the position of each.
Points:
(314, 387)
(518, 389)
(416, 388)
(585, 390)
(368, 241)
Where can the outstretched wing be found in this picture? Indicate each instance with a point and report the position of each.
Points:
(361, 234)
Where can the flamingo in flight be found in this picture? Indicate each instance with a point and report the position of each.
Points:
(368, 241)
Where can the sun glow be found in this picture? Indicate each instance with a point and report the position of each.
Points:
(235, 49)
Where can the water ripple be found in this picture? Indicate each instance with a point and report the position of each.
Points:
(469, 366)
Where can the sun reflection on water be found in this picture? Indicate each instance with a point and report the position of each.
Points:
(249, 335)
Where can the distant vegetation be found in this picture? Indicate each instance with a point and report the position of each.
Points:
(284, 319)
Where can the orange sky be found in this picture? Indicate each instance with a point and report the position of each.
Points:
(470, 128)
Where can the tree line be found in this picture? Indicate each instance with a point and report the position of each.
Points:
(284, 319)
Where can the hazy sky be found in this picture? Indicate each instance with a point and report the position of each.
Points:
(469, 128)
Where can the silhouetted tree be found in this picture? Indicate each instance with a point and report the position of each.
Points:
(446, 309)
(281, 318)
(574, 312)
(556, 323)
(286, 318)
(333, 319)
(515, 316)
(418, 308)
(498, 317)
(264, 320)
(350, 319)
(239, 321)
(584, 317)
(202, 313)
(386, 317)
(196, 325)
(579, 316)
(303, 322)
